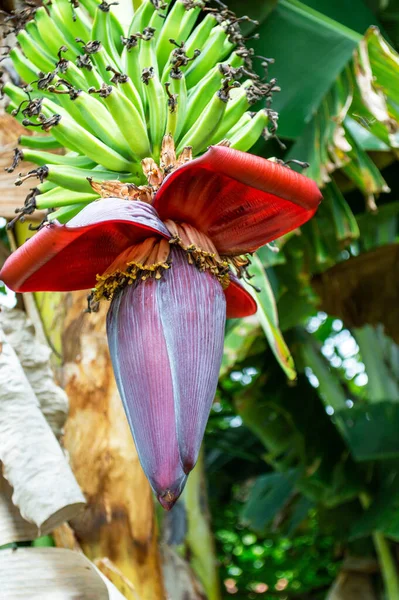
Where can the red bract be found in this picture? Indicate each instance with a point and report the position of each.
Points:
(166, 321)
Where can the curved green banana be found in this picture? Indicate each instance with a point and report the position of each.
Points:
(75, 179)
(102, 123)
(52, 37)
(157, 105)
(200, 35)
(177, 94)
(45, 142)
(59, 196)
(201, 94)
(66, 213)
(81, 140)
(236, 107)
(246, 136)
(200, 133)
(23, 66)
(141, 17)
(212, 53)
(70, 19)
(44, 158)
(128, 119)
(170, 30)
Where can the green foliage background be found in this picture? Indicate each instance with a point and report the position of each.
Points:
(303, 470)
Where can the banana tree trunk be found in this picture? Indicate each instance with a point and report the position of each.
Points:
(352, 586)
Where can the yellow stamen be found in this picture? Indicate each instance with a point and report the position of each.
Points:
(200, 250)
(241, 264)
(142, 261)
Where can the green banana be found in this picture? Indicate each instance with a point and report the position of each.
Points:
(90, 6)
(101, 122)
(73, 178)
(66, 213)
(52, 37)
(157, 106)
(201, 93)
(125, 85)
(80, 140)
(185, 26)
(23, 66)
(44, 158)
(237, 105)
(147, 56)
(32, 30)
(247, 135)
(59, 196)
(48, 109)
(46, 142)
(101, 59)
(246, 118)
(156, 24)
(15, 93)
(103, 30)
(116, 31)
(128, 119)
(87, 66)
(65, 101)
(177, 94)
(170, 30)
(198, 136)
(200, 35)
(34, 52)
(76, 77)
(141, 17)
(46, 186)
(187, 23)
(106, 67)
(211, 54)
(235, 60)
(131, 63)
(69, 19)
(39, 58)
(227, 48)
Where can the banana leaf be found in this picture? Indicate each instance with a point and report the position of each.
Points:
(316, 51)
(268, 317)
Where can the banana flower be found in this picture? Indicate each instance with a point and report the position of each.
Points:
(169, 267)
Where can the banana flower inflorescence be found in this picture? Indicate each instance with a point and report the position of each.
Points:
(167, 247)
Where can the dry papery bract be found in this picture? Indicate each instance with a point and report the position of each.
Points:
(44, 488)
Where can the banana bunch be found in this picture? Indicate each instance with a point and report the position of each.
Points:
(107, 92)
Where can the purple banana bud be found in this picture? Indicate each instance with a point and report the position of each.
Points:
(166, 344)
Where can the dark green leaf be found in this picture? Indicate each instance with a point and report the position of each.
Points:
(310, 51)
(352, 13)
(371, 430)
(383, 514)
(267, 497)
